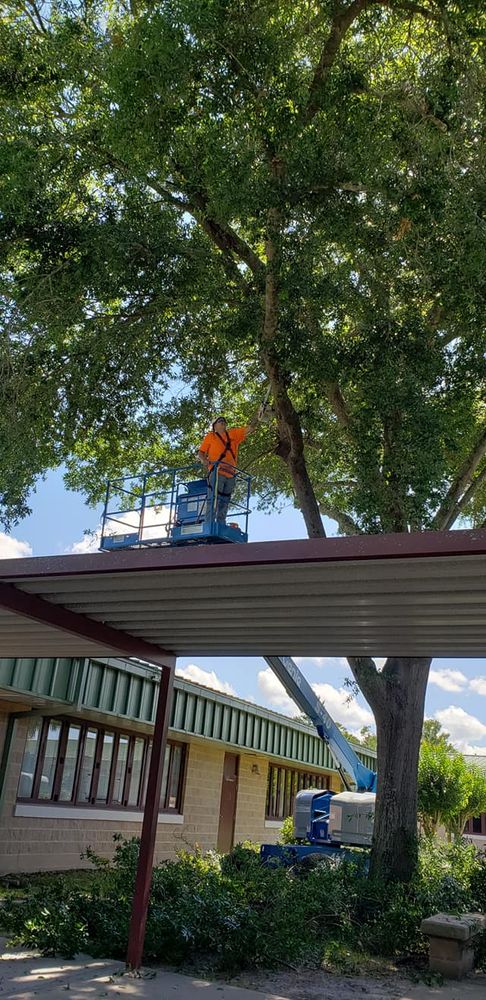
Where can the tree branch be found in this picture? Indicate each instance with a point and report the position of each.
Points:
(366, 675)
(34, 16)
(338, 405)
(345, 523)
(333, 392)
(394, 494)
(442, 519)
(339, 26)
(220, 233)
(411, 8)
(290, 445)
(465, 499)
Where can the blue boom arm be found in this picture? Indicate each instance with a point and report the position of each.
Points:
(300, 690)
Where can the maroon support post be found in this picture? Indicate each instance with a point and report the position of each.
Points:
(138, 921)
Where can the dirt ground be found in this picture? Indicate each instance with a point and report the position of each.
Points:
(317, 985)
(28, 976)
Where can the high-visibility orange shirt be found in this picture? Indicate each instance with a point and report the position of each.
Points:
(213, 446)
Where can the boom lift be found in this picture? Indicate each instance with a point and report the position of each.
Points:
(175, 507)
(327, 821)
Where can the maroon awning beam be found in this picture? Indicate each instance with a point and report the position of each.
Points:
(140, 904)
(37, 609)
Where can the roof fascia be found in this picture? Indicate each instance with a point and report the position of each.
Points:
(417, 545)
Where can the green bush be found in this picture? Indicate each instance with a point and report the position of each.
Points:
(233, 912)
(287, 832)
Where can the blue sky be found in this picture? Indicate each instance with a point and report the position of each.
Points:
(457, 689)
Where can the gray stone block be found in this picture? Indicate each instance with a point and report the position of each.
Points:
(461, 928)
(450, 942)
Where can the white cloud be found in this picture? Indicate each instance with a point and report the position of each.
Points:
(154, 526)
(207, 678)
(321, 661)
(461, 726)
(331, 661)
(478, 684)
(90, 542)
(340, 705)
(468, 748)
(13, 548)
(448, 680)
(343, 708)
(274, 693)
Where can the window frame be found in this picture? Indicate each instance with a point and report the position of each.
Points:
(288, 781)
(90, 803)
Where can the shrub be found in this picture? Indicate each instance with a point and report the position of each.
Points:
(287, 832)
(232, 912)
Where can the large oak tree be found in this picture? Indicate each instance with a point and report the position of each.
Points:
(202, 198)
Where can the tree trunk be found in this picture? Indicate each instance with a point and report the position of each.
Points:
(397, 698)
(397, 693)
(291, 442)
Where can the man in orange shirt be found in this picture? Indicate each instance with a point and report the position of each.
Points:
(221, 446)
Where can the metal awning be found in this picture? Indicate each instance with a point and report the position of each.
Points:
(420, 594)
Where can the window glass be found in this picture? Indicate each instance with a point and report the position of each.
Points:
(87, 766)
(91, 751)
(172, 797)
(283, 785)
(476, 824)
(29, 760)
(50, 760)
(105, 767)
(120, 769)
(70, 761)
(273, 790)
(136, 774)
(165, 775)
(146, 772)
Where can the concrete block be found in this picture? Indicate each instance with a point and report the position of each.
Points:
(461, 928)
(450, 942)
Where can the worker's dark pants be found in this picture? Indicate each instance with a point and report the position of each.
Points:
(226, 485)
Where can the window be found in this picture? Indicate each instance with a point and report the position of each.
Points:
(69, 762)
(282, 787)
(80, 764)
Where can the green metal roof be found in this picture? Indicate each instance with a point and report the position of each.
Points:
(127, 690)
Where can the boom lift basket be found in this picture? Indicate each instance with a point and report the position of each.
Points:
(172, 507)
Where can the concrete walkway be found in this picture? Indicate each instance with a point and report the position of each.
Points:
(26, 976)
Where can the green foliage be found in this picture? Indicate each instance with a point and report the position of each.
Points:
(367, 737)
(444, 785)
(450, 791)
(233, 912)
(432, 732)
(475, 803)
(138, 170)
(287, 832)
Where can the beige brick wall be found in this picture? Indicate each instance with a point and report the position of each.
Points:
(250, 808)
(202, 797)
(50, 843)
